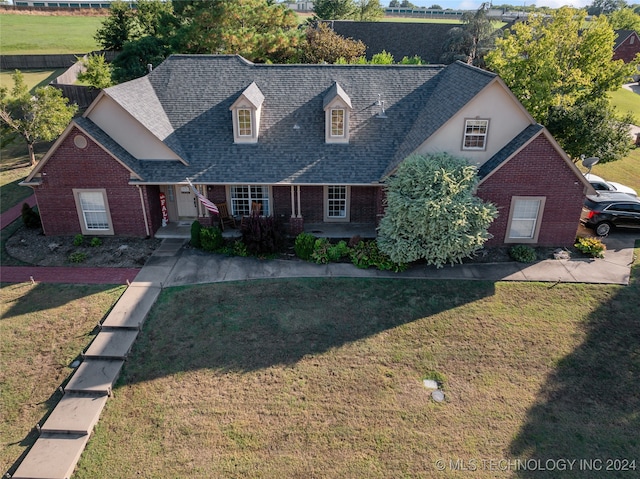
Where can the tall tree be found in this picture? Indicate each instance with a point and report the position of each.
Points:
(333, 9)
(255, 29)
(118, 27)
(97, 72)
(591, 128)
(550, 62)
(135, 57)
(473, 41)
(42, 116)
(600, 7)
(322, 44)
(368, 10)
(431, 211)
(625, 19)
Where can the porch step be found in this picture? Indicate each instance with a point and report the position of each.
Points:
(95, 376)
(112, 344)
(75, 414)
(53, 456)
(131, 309)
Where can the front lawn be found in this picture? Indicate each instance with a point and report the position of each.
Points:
(43, 327)
(323, 378)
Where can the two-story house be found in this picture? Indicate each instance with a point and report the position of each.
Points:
(308, 144)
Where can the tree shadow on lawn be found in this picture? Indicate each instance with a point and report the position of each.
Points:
(252, 325)
(589, 408)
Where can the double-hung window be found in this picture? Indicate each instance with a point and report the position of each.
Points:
(336, 203)
(475, 134)
(337, 122)
(524, 219)
(93, 212)
(244, 122)
(247, 199)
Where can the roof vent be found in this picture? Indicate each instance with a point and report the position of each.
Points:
(149, 67)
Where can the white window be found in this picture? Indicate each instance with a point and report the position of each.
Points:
(337, 122)
(247, 199)
(336, 203)
(524, 219)
(93, 212)
(244, 122)
(475, 134)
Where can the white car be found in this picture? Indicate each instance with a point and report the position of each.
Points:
(600, 184)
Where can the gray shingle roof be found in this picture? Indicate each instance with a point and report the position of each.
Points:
(621, 36)
(186, 103)
(399, 39)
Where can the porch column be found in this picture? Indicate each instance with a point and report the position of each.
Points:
(296, 223)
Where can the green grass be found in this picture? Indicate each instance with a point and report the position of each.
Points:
(323, 378)
(43, 327)
(626, 101)
(33, 78)
(48, 34)
(625, 171)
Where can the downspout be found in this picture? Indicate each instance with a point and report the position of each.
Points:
(144, 212)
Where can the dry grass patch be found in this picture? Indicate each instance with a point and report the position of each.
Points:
(323, 377)
(42, 329)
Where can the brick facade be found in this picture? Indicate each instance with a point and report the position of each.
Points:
(628, 49)
(70, 167)
(537, 170)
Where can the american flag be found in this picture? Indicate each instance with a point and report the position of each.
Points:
(213, 209)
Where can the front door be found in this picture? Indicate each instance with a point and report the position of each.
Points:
(186, 202)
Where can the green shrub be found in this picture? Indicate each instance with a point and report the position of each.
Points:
(591, 246)
(325, 252)
(30, 218)
(523, 253)
(196, 228)
(240, 249)
(366, 254)
(261, 235)
(77, 257)
(95, 242)
(78, 240)
(304, 245)
(211, 238)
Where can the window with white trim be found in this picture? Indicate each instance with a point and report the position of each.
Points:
(337, 122)
(524, 219)
(93, 212)
(475, 134)
(246, 199)
(336, 203)
(244, 122)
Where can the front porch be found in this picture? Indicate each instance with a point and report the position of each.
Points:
(321, 230)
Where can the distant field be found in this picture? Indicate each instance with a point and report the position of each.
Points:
(626, 101)
(41, 34)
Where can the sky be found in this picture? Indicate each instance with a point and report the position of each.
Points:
(474, 4)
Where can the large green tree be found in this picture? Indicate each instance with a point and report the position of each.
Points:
(473, 41)
(42, 116)
(553, 61)
(333, 9)
(625, 19)
(118, 27)
(256, 29)
(368, 10)
(322, 44)
(432, 213)
(591, 128)
(136, 56)
(97, 72)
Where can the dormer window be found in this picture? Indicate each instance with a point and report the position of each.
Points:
(337, 107)
(337, 123)
(245, 112)
(244, 122)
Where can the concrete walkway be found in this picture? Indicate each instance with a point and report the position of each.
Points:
(66, 431)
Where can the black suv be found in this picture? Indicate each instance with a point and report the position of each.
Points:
(607, 210)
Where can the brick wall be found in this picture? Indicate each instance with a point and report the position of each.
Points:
(538, 170)
(71, 167)
(627, 51)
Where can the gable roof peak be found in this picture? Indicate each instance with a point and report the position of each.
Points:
(334, 92)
